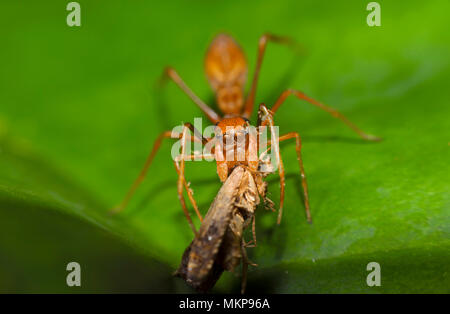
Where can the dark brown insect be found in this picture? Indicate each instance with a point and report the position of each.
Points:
(219, 244)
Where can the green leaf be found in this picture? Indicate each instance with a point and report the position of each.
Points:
(80, 111)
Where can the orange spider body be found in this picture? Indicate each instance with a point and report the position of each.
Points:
(226, 70)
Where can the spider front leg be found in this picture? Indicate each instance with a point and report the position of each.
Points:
(186, 185)
(180, 169)
(265, 118)
(189, 192)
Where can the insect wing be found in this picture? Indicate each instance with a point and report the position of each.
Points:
(197, 265)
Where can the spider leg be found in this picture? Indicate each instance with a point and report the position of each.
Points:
(208, 111)
(263, 40)
(300, 95)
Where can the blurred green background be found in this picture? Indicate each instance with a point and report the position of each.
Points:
(79, 111)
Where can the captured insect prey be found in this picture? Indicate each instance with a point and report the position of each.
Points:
(219, 244)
